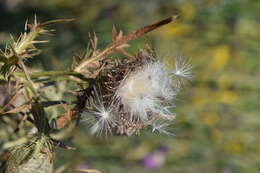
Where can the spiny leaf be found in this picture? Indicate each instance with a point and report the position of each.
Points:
(24, 46)
(56, 21)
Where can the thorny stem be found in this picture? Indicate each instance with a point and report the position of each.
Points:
(27, 76)
(20, 48)
(36, 75)
(36, 30)
(112, 46)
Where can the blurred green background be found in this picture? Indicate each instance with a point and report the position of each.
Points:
(218, 114)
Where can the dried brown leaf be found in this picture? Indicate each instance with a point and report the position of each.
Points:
(121, 40)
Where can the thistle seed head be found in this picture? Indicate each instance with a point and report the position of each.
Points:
(135, 94)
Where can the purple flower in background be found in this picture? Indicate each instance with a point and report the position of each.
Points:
(155, 159)
(83, 165)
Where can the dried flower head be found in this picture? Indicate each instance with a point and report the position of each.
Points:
(136, 94)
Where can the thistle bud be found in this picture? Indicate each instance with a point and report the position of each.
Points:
(36, 156)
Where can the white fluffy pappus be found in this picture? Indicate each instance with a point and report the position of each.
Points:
(183, 68)
(147, 89)
(162, 127)
(102, 119)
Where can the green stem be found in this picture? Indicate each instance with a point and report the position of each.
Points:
(27, 76)
(36, 75)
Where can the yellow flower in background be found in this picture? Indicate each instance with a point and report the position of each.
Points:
(173, 30)
(200, 97)
(200, 101)
(221, 56)
(234, 147)
(226, 97)
(210, 118)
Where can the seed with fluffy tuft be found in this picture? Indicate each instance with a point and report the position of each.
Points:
(102, 118)
(183, 68)
(162, 127)
(104, 122)
(145, 90)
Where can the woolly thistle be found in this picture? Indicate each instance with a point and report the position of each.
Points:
(135, 94)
